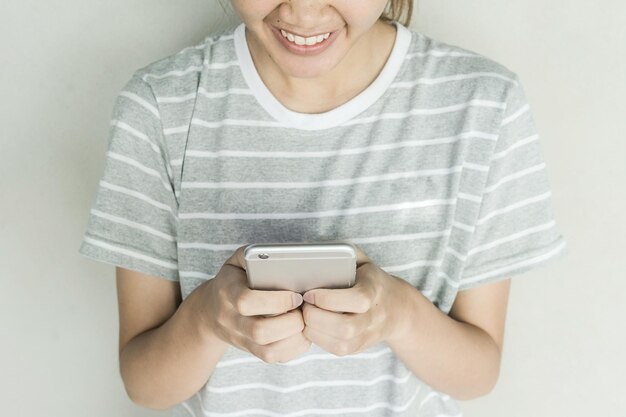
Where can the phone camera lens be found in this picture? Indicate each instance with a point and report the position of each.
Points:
(263, 255)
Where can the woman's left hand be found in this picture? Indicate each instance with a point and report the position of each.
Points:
(349, 320)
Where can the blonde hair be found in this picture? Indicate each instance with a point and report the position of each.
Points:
(395, 9)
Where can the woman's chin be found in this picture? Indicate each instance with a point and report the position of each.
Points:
(303, 70)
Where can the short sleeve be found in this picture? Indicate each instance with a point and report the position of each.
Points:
(516, 229)
(133, 219)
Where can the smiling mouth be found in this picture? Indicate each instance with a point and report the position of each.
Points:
(302, 41)
(304, 36)
(305, 46)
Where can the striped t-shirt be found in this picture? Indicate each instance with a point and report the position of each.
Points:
(434, 171)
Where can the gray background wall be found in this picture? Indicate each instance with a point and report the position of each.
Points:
(64, 61)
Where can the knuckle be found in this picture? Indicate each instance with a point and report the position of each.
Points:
(267, 355)
(363, 302)
(300, 350)
(306, 346)
(288, 357)
(221, 317)
(342, 349)
(221, 291)
(349, 330)
(258, 333)
(241, 304)
(361, 347)
(296, 319)
(304, 341)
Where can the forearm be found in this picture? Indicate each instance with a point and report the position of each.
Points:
(169, 364)
(453, 357)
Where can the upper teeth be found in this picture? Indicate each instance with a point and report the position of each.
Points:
(299, 40)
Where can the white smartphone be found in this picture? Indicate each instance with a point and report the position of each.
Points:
(301, 266)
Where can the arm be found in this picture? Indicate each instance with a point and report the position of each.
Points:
(165, 354)
(457, 354)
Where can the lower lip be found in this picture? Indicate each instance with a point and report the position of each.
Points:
(305, 49)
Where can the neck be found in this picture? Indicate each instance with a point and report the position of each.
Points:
(338, 85)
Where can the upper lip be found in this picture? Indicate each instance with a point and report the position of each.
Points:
(304, 36)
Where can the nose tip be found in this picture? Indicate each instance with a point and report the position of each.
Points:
(305, 14)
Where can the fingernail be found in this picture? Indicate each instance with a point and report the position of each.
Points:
(297, 299)
(309, 297)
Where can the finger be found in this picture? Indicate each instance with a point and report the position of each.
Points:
(348, 300)
(266, 302)
(235, 282)
(361, 257)
(296, 346)
(237, 259)
(341, 326)
(266, 330)
(249, 302)
(283, 350)
(330, 344)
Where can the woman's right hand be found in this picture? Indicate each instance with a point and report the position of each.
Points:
(237, 314)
